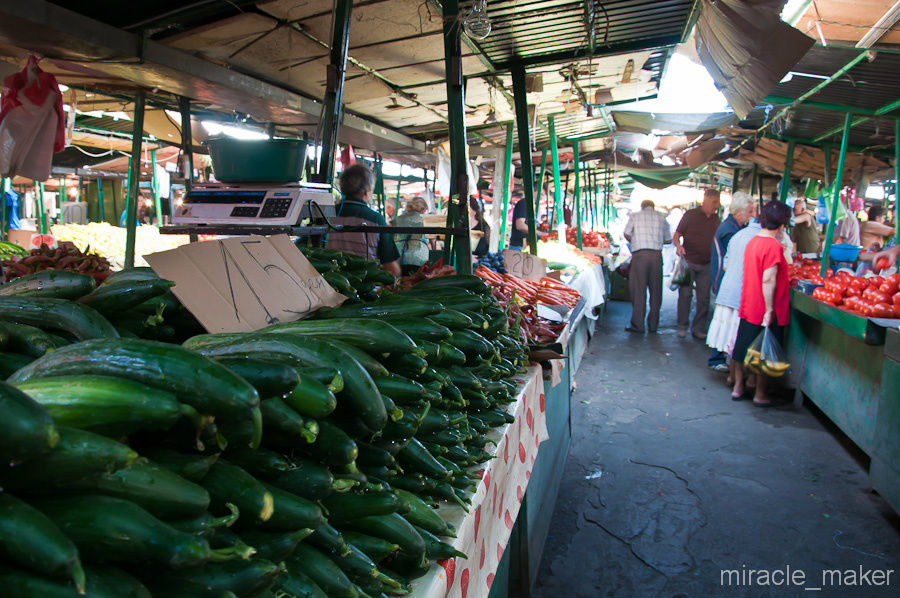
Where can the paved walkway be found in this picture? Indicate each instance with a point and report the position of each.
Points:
(669, 483)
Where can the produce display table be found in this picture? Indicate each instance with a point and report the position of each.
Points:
(483, 532)
(843, 363)
(592, 286)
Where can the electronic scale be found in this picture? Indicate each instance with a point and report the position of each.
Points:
(255, 204)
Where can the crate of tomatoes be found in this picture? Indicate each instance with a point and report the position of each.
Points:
(871, 296)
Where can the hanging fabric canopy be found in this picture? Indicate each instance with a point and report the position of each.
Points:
(671, 123)
(747, 48)
(659, 178)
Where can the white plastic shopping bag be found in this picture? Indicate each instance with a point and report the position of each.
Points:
(32, 126)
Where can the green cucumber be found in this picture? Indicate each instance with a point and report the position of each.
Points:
(371, 335)
(269, 379)
(190, 467)
(227, 483)
(205, 524)
(367, 361)
(295, 584)
(284, 426)
(376, 549)
(78, 454)
(312, 398)
(420, 329)
(373, 456)
(112, 530)
(27, 428)
(472, 344)
(80, 321)
(30, 540)
(360, 391)
(330, 377)
(338, 282)
(10, 363)
(135, 273)
(437, 550)
(161, 492)
(292, 512)
(356, 564)
(393, 528)
(452, 319)
(346, 507)
(200, 382)
(420, 514)
(409, 364)
(381, 311)
(104, 404)
(58, 284)
(214, 580)
(470, 282)
(274, 546)
(30, 340)
(102, 582)
(333, 446)
(329, 540)
(322, 571)
(307, 478)
(258, 462)
(415, 457)
(112, 298)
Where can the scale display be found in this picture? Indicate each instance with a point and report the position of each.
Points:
(278, 206)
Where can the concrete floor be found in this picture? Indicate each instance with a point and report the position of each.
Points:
(669, 483)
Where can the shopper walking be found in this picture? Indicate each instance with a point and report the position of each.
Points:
(740, 211)
(646, 231)
(413, 248)
(356, 184)
(765, 299)
(693, 240)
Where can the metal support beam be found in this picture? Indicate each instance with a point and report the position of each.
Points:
(40, 199)
(577, 55)
(521, 105)
(154, 185)
(334, 89)
(135, 179)
(540, 181)
(557, 191)
(828, 178)
(397, 198)
(457, 247)
(576, 212)
(187, 142)
(786, 176)
(836, 197)
(507, 166)
(897, 181)
(881, 27)
(883, 111)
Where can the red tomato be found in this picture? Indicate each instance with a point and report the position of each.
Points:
(882, 264)
(895, 278)
(897, 299)
(875, 281)
(888, 288)
(816, 279)
(819, 293)
(843, 274)
(879, 297)
(836, 285)
(853, 291)
(882, 310)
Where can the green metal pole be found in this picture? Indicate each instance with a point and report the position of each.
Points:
(397, 199)
(828, 180)
(137, 137)
(897, 182)
(557, 183)
(101, 206)
(40, 198)
(80, 183)
(127, 192)
(154, 183)
(577, 211)
(187, 142)
(334, 89)
(507, 166)
(2, 209)
(379, 185)
(60, 194)
(520, 96)
(786, 177)
(836, 195)
(540, 183)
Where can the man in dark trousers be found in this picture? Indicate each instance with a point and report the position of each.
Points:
(646, 232)
(693, 240)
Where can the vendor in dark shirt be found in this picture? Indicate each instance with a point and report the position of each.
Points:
(356, 185)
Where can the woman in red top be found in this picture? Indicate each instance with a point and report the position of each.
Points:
(764, 296)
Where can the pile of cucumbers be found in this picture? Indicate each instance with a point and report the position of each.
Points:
(304, 459)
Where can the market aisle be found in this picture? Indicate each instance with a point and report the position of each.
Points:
(669, 482)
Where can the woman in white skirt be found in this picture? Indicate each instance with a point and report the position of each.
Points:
(725, 320)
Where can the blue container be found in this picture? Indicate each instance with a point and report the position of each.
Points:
(807, 287)
(844, 252)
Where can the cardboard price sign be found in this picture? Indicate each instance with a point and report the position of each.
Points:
(246, 283)
(524, 265)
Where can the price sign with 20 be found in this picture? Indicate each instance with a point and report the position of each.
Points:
(524, 265)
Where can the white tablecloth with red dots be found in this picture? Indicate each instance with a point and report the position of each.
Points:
(483, 532)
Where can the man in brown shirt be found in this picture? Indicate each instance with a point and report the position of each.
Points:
(693, 239)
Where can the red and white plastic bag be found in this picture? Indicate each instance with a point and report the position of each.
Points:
(32, 123)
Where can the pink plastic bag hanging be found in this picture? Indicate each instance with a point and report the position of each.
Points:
(32, 123)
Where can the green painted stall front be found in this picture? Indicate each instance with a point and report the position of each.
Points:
(849, 367)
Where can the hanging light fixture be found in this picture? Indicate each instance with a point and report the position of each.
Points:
(478, 23)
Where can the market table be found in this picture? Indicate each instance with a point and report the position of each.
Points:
(483, 531)
(847, 365)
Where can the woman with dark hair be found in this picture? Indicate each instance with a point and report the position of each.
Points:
(477, 222)
(764, 297)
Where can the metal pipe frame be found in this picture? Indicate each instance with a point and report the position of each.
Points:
(101, 206)
(134, 179)
(836, 197)
(2, 209)
(154, 184)
(507, 167)
(520, 95)
(577, 208)
(880, 112)
(334, 90)
(40, 200)
(557, 183)
(897, 181)
(786, 176)
(457, 247)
